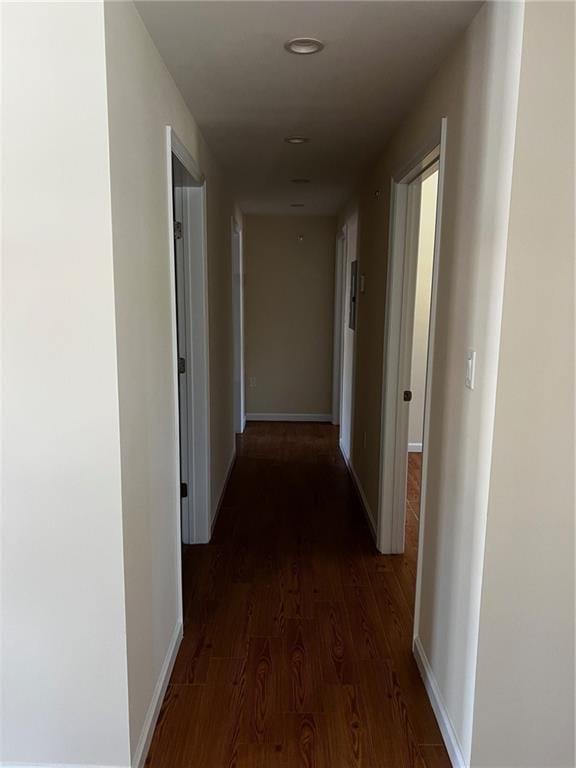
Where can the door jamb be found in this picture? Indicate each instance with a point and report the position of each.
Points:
(351, 253)
(391, 519)
(238, 321)
(339, 283)
(195, 225)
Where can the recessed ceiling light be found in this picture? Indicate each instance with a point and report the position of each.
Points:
(301, 181)
(296, 205)
(304, 46)
(296, 139)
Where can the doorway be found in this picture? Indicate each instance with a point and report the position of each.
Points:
(238, 321)
(408, 351)
(428, 189)
(187, 217)
(181, 269)
(428, 184)
(339, 269)
(348, 324)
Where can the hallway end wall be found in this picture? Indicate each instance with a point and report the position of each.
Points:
(142, 101)
(289, 311)
(476, 89)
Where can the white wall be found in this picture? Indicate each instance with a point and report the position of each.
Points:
(90, 551)
(64, 678)
(524, 710)
(142, 101)
(476, 90)
(426, 229)
(289, 314)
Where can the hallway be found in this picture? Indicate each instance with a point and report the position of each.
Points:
(297, 635)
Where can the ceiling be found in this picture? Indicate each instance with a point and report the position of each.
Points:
(247, 93)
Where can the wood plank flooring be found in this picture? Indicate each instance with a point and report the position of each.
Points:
(297, 638)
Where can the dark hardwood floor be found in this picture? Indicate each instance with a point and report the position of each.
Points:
(297, 638)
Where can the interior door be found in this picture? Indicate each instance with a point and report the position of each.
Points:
(180, 242)
(419, 247)
(348, 324)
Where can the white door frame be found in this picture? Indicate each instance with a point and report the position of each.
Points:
(238, 322)
(339, 268)
(400, 296)
(196, 528)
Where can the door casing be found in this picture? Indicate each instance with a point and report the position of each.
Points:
(397, 353)
(238, 322)
(195, 517)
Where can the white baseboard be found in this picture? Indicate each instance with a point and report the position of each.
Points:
(414, 447)
(367, 510)
(223, 491)
(58, 765)
(445, 723)
(324, 417)
(143, 746)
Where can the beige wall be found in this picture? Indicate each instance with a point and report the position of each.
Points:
(86, 312)
(142, 101)
(476, 89)
(524, 710)
(426, 231)
(289, 311)
(63, 696)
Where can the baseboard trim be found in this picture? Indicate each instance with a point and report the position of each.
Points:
(58, 765)
(324, 417)
(414, 447)
(223, 491)
(360, 492)
(143, 746)
(444, 722)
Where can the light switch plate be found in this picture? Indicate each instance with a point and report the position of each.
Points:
(470, 368)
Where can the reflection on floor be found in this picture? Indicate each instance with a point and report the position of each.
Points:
(410, 557)
(413, 485)
(297, 641)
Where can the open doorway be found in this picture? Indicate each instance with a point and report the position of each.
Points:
(181, 269)
(238, 322)
(349, 299)
(339, 277)
(428, 186)
(408, 353)
(190, 349)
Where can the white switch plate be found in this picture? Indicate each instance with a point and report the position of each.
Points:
(470, 368)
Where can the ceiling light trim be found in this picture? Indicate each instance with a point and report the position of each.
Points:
(296, 140)
(304, 46)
